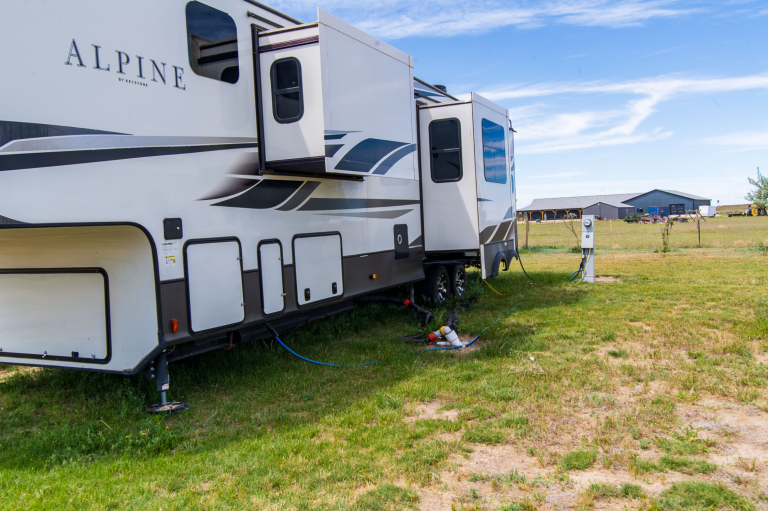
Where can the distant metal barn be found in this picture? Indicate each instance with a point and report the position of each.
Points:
(615, 206)
(605, 206)
(669, 202)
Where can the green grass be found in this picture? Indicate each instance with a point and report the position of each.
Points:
(268, 431)
(687, 443)
(626, 490)
(578, 460)
(672, 463)
(484, 435)
(387, 497)
(697, 496)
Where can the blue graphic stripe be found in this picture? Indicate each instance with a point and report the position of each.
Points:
(394, 158)
(366, 154)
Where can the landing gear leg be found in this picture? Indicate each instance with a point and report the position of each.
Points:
(159, 370)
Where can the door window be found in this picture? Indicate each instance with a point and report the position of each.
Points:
(212, 43)
(445, 150)
(287, 96)
(494, 154)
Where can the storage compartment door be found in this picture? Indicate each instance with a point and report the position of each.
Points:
(58, 315)
(271, 271)
(215, 284)
(318, 268)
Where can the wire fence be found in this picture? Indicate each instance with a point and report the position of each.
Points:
(718, 232)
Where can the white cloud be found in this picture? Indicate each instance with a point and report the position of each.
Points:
(741, 140)
(540, 132)
(395, 19)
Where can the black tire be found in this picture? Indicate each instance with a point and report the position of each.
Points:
(458, 275)
(437, 285)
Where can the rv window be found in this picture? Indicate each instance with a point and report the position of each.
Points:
(445, 148)
(212, 42)
(287, 97)
(494, 154)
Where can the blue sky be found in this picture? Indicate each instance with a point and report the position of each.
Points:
(607, 96)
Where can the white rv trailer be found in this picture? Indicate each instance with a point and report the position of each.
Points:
(175, 174)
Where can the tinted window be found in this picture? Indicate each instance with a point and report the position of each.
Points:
(445, 149)
(494, 154)
(287, 96)
(212, 43)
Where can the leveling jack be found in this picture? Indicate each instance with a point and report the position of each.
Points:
(158, 370)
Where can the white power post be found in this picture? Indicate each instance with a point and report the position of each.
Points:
(588, 246)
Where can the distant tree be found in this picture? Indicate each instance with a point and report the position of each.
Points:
(570, 220)
(758, 196)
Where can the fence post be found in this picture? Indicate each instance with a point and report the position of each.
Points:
(526, 229)
(698, 225)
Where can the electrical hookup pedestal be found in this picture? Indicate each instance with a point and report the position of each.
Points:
(588, 247)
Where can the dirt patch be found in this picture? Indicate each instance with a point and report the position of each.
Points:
(490, 476)
(641, 325)
(8, 371)
(431, 410)
(609, 280)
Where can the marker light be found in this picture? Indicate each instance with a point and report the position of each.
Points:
(374, 276)
(174, 326)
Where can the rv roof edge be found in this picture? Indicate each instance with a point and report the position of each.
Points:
(444, 93)
(487, 102)
(274, 11)
(342, 26)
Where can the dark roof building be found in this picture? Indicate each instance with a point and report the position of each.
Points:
(616, 206)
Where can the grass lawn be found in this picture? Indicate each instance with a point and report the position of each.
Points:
(645, 393)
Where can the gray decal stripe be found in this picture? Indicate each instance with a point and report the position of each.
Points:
(486, 234)
(502, 231)
(335, 136)
(509, 231)
(331, 149)
(395, 157)
(230, 186)
(11, 130)
(366, 154)
(479, 199)
(342, 204)
(372, 214)
(417, 242)
(60, 158)
(508, 214)
(300, 196)
(116, 141)
(268, 194)
(6, 220)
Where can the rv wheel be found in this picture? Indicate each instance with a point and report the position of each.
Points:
(437, 285)
(458, 280)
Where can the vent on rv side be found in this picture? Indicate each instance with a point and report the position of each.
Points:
(445, 148)
(287, 97)
(212, 42)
